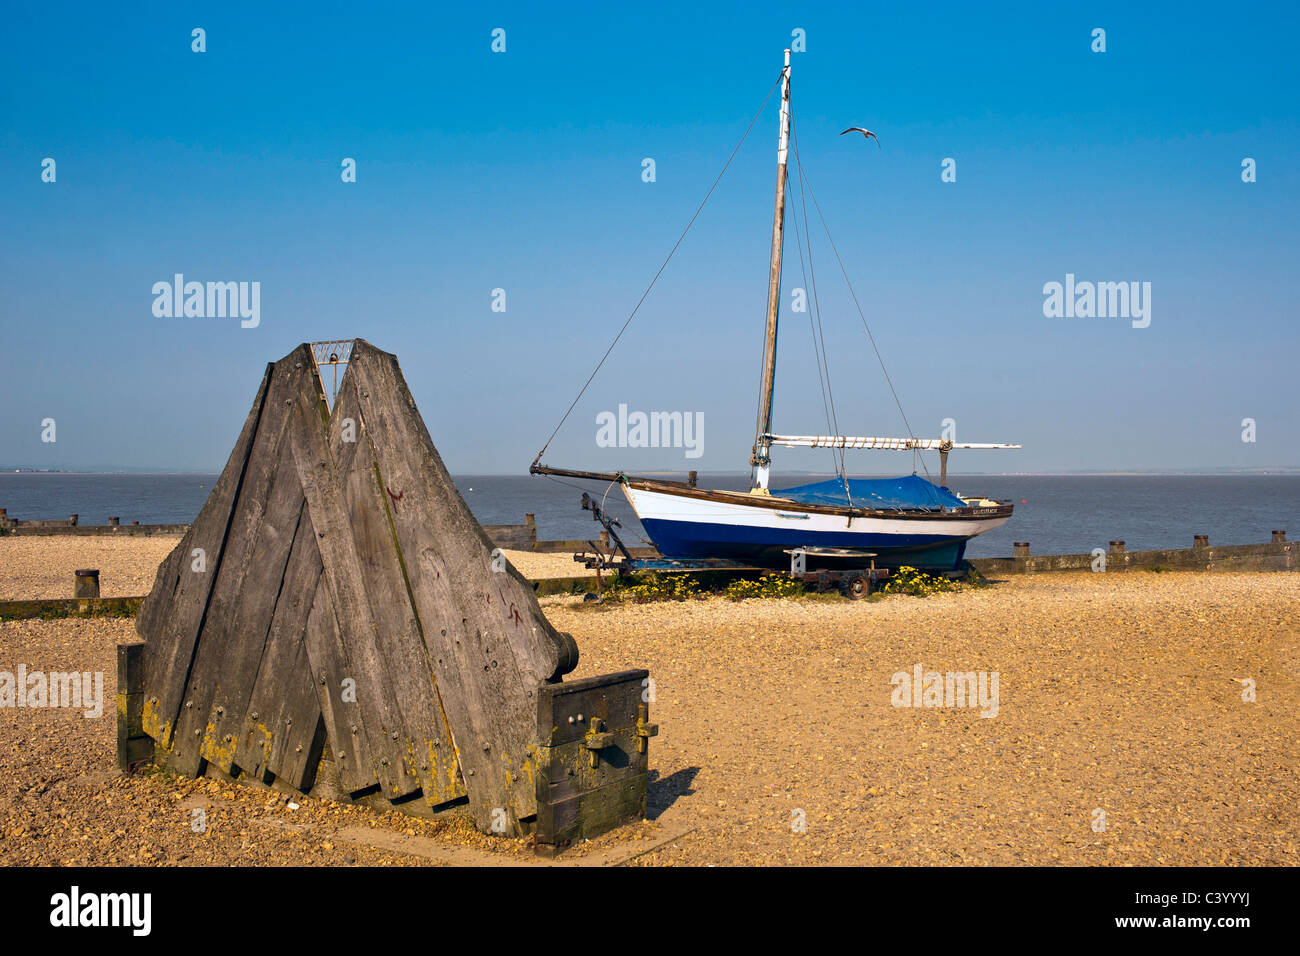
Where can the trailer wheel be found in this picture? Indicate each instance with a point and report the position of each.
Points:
(855, 588)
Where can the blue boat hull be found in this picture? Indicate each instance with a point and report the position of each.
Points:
(766, 547)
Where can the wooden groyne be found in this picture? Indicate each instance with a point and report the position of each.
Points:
(1276, 555)
(70, 607)
(509, 537)
(72, 525)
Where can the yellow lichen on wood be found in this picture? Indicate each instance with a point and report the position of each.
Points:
(160, 732)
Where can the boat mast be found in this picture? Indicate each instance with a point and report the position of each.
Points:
(760, 461)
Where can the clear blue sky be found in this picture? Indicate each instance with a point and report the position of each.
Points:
(522, 171)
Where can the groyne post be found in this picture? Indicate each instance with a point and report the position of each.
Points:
(87, 583)
(1020, 553)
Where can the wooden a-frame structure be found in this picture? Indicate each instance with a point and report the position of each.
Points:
(335, 611)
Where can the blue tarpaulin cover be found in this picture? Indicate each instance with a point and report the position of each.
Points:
(910, 492)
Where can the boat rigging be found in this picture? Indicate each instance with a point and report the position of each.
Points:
(905, 520)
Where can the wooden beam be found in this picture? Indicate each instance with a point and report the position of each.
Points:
(487, 638)
(172, 616)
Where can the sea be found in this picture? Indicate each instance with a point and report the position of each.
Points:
(1056, 514)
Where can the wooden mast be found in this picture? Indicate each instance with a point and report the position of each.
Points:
(760, 460)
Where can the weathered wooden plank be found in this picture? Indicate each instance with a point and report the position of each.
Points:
(257, 546)
(132, 744)
(161, 596)
(243, 650)
(344, 581)
(430, 754)
(171, 629)
(345, 727)
(280, 720)
(489, 643)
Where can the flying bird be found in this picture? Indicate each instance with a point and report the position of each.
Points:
(866, 134)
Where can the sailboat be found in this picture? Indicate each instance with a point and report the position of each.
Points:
(897, 521)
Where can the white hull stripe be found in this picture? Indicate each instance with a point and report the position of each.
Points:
(656, 505)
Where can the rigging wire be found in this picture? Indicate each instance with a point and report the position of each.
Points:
(819, 334)
(640, 537)
(817, 350)
(669, 257)
(916, 456)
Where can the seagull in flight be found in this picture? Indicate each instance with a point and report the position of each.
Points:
(866, 134)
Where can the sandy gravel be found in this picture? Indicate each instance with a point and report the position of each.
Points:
(42, 566)
(1117, 692)
(535, 566)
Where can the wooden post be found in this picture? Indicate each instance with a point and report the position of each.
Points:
(133, 745)
(87, 583)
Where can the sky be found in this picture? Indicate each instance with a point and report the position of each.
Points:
(523, 171)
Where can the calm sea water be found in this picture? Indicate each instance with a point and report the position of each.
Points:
(1056, 514)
